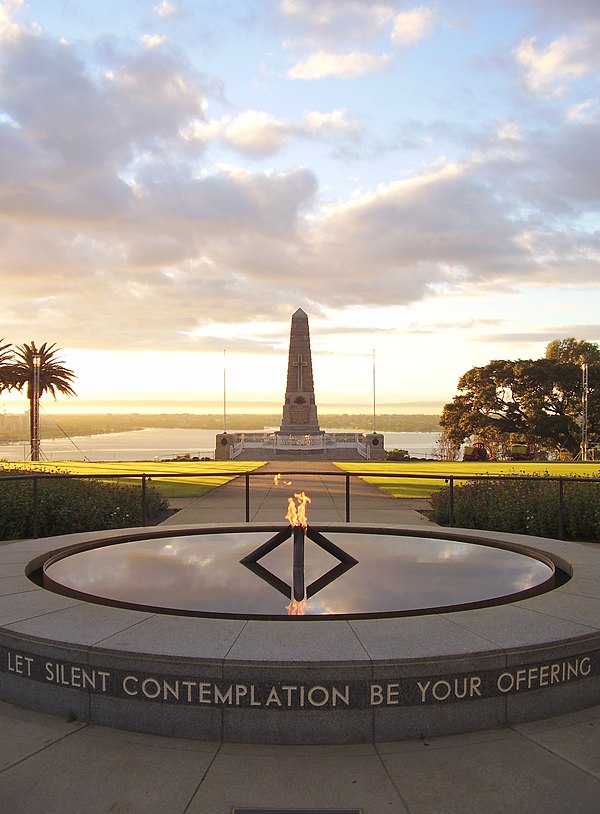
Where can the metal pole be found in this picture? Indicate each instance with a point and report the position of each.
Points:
(247, 497)
(35, 508)
(347, 498)
(451, 519)
(374, 401)
(34, 419)
(584, 411)
(143, 500)
(224, 391)
(298, 571)
(561, 510)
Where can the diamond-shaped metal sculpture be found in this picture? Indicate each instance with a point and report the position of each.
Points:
(297, 590)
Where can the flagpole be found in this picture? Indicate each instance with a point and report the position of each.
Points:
(224, 390)
(374, 405)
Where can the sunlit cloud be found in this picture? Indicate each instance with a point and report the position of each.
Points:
(165, 9)
(547, 70)
(152, 40)
(586, 111)
(252, 132)
(257, 133)
(345, 66)
(411, 26)
(10, 30)
(334, 120)
(330, 20)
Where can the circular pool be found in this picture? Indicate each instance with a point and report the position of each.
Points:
(383, 574)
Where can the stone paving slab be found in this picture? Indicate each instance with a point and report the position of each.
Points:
(50, 765)
(77, 773)
(495, 775)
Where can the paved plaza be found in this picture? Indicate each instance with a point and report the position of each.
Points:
(54, 765)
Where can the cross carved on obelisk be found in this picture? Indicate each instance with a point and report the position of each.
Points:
(300, 364)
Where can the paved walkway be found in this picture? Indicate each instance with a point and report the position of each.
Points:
(327, 491)
(52, 766)
(55, 766)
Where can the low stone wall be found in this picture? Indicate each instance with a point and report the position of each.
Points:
(302, 679)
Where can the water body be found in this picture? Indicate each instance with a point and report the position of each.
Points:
(157, 442)
(203, 573)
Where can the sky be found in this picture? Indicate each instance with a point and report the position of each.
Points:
(178, 177)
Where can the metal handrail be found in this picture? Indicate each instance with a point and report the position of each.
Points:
(450, 480)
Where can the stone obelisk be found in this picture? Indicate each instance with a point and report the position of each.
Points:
(299, 409)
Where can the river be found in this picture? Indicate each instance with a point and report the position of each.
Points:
(153, 442)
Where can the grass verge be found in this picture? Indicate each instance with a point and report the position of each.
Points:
(194, 483)
(405, 485)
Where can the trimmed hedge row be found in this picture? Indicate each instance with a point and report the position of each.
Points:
(71, 505)
(528, 506)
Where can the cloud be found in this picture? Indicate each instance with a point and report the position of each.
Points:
(438, 231)
(251, 132)
(344, 66)
(330, 21)
(557, 174)
(165, 9)
(552, 13)
(547, 69)
(117, 228)
(335, 121)
(411, 26)
(589, 333)
(152, 40)
(258, 134)
(10, 31)
(586, 111)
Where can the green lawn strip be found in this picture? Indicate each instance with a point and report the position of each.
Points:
(190, 486)
(407, 487)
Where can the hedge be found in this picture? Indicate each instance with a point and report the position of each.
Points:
(70, 505)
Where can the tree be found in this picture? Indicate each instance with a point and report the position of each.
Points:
(538, 401)
(445, 448)
(574, 351)
(40, 371)
(6, 367)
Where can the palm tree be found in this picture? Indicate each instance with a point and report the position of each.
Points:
(6, 367)
(41, 371)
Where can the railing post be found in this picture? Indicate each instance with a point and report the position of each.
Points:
(35, 507)
(451, 519)
(143, 500)
(561, 510)
(347, 498)
(247, 497)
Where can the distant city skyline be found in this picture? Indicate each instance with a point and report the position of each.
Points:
(177, 178)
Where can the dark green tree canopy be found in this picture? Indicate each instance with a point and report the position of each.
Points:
(538, 401)
(576, 351)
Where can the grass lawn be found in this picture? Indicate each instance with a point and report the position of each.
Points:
(171, 487)
(415, 487)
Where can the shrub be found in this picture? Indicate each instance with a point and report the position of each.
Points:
(528, 506)
(397, 455)
(68, 505)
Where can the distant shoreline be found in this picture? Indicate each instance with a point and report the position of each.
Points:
(73, 424)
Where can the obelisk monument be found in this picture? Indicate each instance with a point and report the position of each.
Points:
(299, 409)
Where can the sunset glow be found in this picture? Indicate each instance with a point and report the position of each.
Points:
(422, 180)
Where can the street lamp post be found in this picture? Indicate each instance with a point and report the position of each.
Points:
(584, 411)
(34, 417)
